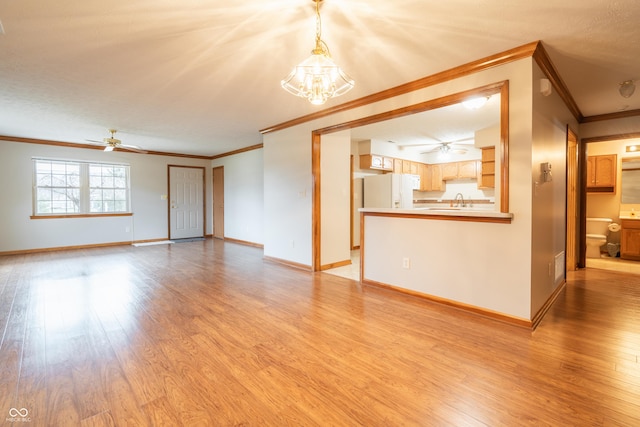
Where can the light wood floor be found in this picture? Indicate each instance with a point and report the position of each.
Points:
(208, 333)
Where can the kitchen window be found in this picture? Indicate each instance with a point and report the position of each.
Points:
(70, 188)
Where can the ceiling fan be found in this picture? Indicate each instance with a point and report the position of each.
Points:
(451, 147)
(112, 143)
(446, 148)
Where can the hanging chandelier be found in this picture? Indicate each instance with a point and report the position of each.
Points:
(317, 78)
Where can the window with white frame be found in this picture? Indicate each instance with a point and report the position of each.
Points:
(64, 187)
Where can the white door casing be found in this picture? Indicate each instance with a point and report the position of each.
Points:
(186, 196)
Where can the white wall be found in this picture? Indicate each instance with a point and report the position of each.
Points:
(548, 237)
(287, 196)
(473, 263)
(335, 156)
(243, 195)
(625, 125)
(148, 183)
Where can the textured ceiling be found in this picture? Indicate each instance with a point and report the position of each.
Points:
(202, 76)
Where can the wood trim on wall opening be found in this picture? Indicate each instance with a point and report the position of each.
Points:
(501, 88)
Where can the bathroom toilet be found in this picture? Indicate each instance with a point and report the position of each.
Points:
(597, 229)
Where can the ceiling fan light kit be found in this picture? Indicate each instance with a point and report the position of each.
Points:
(317, 78)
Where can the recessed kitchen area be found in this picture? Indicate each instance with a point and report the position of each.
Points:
(446, 155)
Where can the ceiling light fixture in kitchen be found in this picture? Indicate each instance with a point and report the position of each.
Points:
(317, 78)
(475, 102)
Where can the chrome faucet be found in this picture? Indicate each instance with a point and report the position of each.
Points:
(459, 200)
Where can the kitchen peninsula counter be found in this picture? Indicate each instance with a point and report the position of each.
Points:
(461, 257)
(442, 213)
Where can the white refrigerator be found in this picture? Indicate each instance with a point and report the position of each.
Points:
(391, 190)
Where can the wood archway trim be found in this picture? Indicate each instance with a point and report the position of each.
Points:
(501, 88)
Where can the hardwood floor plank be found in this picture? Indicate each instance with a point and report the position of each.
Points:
(103, 419)
(208, 333)
(161, 413)
(61, 409)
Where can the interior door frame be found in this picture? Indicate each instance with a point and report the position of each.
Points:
(204, 199)
(572, 208)
(213, 206)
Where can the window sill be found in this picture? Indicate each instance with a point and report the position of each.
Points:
(80, 215)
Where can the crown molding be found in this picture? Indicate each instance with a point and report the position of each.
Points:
(505, 57)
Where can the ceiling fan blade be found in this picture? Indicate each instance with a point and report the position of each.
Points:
(433, 150)
(132, 148)
(420, 145)
(111, 144)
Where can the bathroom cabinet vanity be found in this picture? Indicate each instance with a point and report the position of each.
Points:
(630, 239)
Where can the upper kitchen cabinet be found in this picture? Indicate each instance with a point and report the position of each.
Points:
(431, 178)
(397, 165)
(601, 173)
(459, 170)
(374, 161)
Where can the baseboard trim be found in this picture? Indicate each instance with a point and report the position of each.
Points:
(494, 315)
(69, 248)
(335, 264)
(288, 263)
(243, 242)
(547, 305)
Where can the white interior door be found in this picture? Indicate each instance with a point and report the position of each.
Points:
(186, 196)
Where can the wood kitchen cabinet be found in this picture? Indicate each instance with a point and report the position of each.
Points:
(375, 161)
(387, 163)
(630, 239)
(459, 170)
(397, 165)
(437, 183)
(410, 167)
(431, 178)
(467, 169)
(601, 173)
(425, 178)
(449, 171)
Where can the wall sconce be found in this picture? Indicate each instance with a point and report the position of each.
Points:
(633, 148)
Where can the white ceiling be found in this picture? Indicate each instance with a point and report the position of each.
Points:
(203, 76)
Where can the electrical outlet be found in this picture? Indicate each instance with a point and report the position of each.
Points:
(293, 244)
(406, 263)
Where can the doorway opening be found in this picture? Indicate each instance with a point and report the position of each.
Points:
(606, 155)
